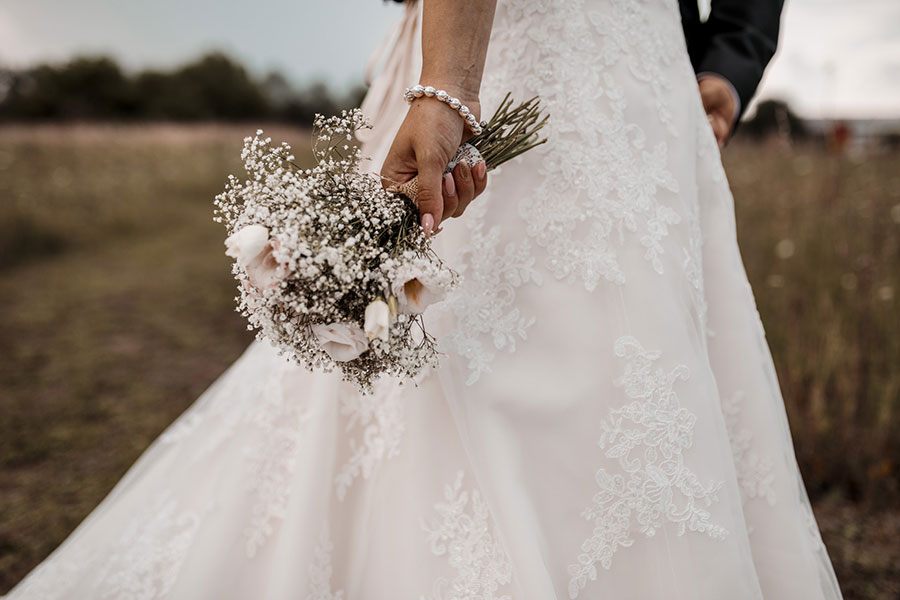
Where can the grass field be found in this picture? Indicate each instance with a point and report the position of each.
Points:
(117, 312)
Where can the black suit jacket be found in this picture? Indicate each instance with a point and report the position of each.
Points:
(736, 41)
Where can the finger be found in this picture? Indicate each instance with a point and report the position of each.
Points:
(726, 118)
(451, 199)
(465, 186)
(431, 195)
(719, 127)
(479, 175)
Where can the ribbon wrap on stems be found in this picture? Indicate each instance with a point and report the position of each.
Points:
(466, 153)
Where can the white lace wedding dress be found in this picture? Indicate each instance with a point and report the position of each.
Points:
(607, 422)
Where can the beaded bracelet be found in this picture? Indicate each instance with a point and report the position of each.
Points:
(417, 91)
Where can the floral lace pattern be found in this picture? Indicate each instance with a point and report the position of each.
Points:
(143, 563)
(581, 212)
(214, 423)
(462, 532)
(267, 409)
(754, 472)
(320, 570)
(605, 185)
(52, 580)
(272, 459)
(485, 305)
(380, 418)
(693, 266)
(652, 485)
(150, 553)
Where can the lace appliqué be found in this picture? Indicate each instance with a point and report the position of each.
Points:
(380, 417)
(278, 420)
(603, 180)
(213, 419)
(150, 553)
(53, 579)
(272, 458)
(462, 532)
(600, 175)
(320, 570)
(484, 305)
(142, 564)
(693, 266)
(652, 486)
(754, 472)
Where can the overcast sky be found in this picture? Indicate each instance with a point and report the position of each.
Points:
(837, 57)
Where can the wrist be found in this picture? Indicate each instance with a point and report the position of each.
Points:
(469, 111)
(466, 90)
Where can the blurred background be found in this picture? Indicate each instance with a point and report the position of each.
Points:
(120, 121)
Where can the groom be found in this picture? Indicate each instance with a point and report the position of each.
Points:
(730, 51)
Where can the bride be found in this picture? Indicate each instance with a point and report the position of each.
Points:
(606, 422)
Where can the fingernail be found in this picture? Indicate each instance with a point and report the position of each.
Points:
(464, 171)
(480, 171)
(428, 223)
(449, 185)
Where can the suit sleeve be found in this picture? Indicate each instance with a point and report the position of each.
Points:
(741, 36)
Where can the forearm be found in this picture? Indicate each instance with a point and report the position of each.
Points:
(455, 35)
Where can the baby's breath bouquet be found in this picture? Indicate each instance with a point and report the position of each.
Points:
(334, 270)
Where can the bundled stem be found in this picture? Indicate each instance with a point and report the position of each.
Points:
(510, 132)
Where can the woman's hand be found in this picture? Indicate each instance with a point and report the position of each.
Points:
(425, 144)
(455, 36)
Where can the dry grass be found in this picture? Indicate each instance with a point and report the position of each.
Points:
(117, 312)
(820, 237)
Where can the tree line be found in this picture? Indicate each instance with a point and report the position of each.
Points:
(213, 87)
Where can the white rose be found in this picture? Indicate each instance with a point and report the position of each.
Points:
(378, 320)
(264, 270)
(341, 341)
(243, 245)
(416, 290)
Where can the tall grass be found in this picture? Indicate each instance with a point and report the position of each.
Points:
(820, 237)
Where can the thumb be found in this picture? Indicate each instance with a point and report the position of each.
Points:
(430, 199)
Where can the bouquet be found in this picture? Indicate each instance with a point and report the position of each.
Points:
(333, 269)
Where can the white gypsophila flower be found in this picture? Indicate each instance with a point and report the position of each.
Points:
(378, 320)
(420, 284)
(341, 341)
(243, 245)
(335, 240)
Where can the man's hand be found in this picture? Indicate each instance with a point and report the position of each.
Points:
(720, 104)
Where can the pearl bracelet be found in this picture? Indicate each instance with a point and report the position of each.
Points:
(417, 91)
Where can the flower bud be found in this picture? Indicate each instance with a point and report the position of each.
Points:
(378, 320)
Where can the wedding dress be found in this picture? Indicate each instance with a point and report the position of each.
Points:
(606, 423)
